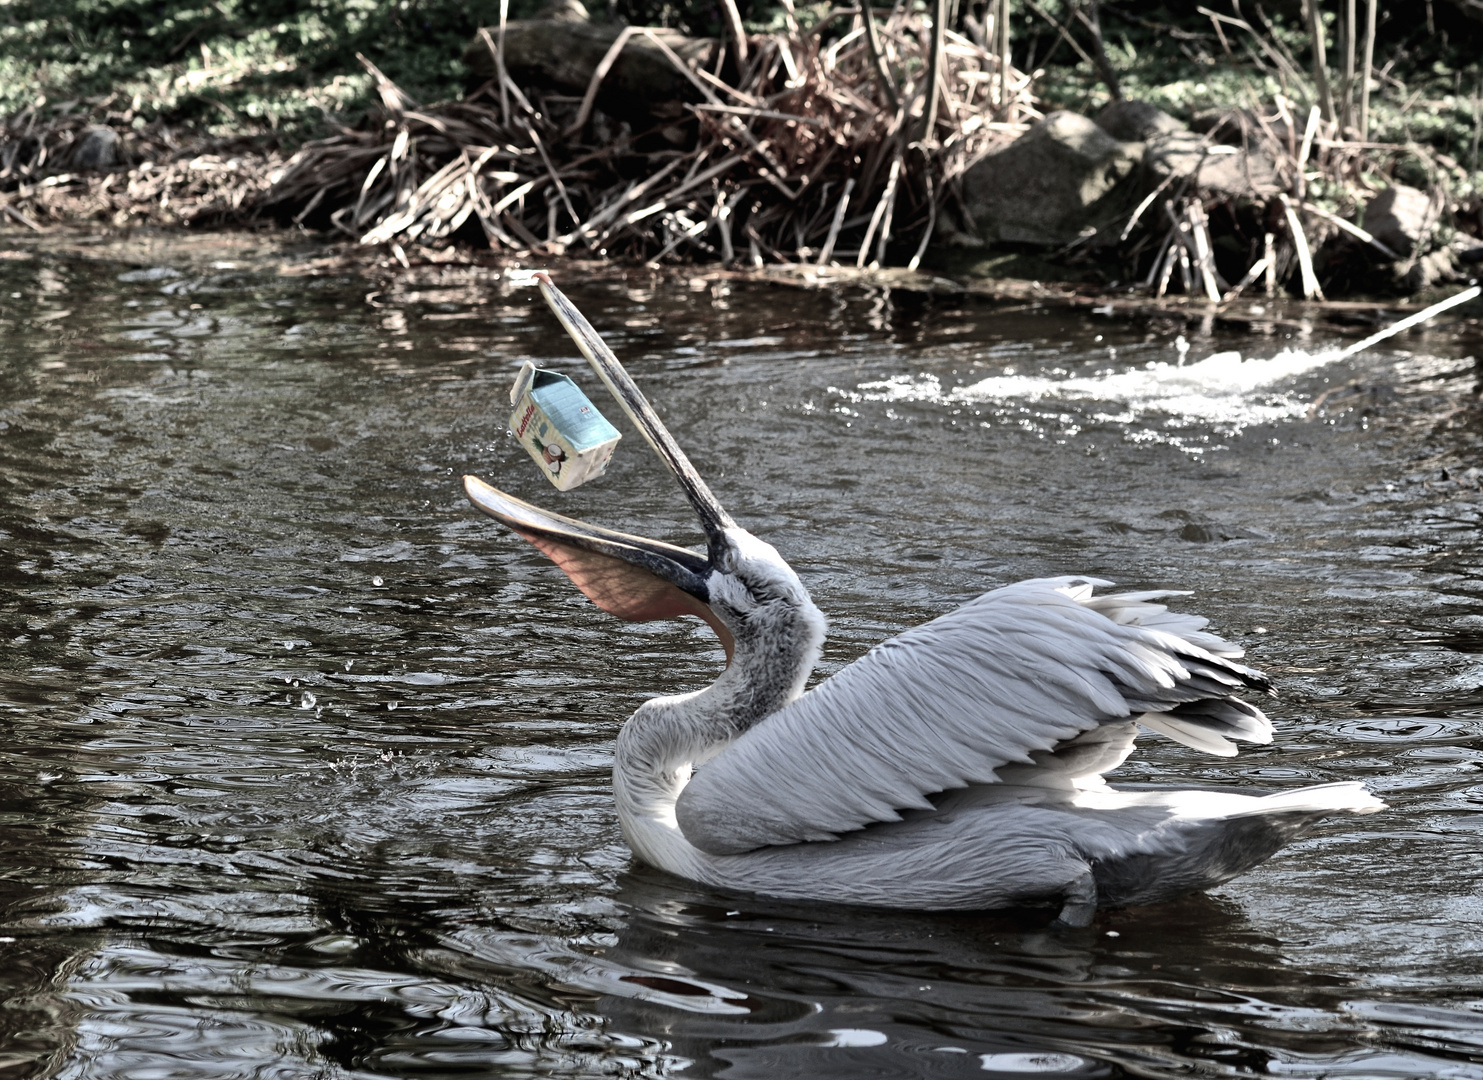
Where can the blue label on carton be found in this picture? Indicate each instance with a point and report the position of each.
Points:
(568, 409)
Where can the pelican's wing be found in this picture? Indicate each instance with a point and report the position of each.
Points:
(1021, 675)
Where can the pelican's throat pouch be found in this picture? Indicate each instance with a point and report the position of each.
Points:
(568, 438)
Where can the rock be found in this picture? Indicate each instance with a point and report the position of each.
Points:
(1245, 174)
(1434, 268)
(1061, 177)
(1399, 217)
(561, 52)
(563, 11)
(1238, 127)
(96, 148)
(1173, 150)
(1136, 121)
(1216, 169)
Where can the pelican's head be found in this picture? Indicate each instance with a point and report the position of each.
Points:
(741, 586)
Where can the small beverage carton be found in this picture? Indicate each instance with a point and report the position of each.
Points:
(564, 432)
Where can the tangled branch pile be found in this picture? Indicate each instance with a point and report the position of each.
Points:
(821, 149)
(1306, 213)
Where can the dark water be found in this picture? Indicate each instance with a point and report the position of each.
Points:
(304, 765)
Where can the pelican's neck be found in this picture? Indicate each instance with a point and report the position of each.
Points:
(775, 651)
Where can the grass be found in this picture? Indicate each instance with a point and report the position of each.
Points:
(235, 67)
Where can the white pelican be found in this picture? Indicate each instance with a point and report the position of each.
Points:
(958, 765)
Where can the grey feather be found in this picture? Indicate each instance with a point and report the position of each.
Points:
(1018, 671)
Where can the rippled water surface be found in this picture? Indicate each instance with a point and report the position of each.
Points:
(304, 765)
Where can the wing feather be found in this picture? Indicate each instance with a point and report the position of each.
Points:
(1005, 680)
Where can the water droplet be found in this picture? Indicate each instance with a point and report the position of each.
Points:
(289, 645)
(391, 706)
(307, 700)
(377, 582)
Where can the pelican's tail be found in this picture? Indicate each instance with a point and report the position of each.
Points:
(1349, 796)
(1210, 837)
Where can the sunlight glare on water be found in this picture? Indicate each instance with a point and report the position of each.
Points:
(305, 765)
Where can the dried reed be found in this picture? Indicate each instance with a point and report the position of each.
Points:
(824, 149)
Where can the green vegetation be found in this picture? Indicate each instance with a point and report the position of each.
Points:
(254, 66)
(232, 65)
(1428, 88)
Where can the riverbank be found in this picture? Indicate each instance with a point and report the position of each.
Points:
(823, 149)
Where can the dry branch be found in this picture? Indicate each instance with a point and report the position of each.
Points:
(759, 148)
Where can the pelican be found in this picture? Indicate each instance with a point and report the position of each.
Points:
(959, 765)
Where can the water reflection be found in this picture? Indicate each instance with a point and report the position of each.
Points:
(304, 767)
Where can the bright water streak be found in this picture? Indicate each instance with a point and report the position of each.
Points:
(304, 765)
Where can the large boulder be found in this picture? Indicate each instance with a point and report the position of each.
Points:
(1172, 152)
(1232, 172)
(1136, 121)
(560, 50)
(1399, 217)
(1242, 127)
(1402, 218)
(1063, 176)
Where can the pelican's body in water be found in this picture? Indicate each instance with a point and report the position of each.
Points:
(957, 766)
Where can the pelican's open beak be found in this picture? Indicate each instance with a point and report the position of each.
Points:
(627, 576)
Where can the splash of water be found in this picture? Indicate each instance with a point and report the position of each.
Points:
(1223, 389)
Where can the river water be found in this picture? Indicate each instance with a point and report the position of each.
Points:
(304, 764)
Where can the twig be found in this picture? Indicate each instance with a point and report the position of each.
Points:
(888, 200)
(22, 218)
(880, 210)
(1196, 214)
(1347, 17)
(1251, 275)
(760, 114)
(1369, 65)
(1171, 255)
(1144, 205)
(1093, 23)
(551, 170)
(1311, 291)
(916, 259)
(1413, 320)
(839, 211)
(1300, 181)
(1351, 228)
(1065, 34)
(735, 30)
(601, 72)
(878, 57)
(1320, 62)
(1283, 65)
(1001, 60)
(934, 71)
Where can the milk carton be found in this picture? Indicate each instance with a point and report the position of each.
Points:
(570, 440)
